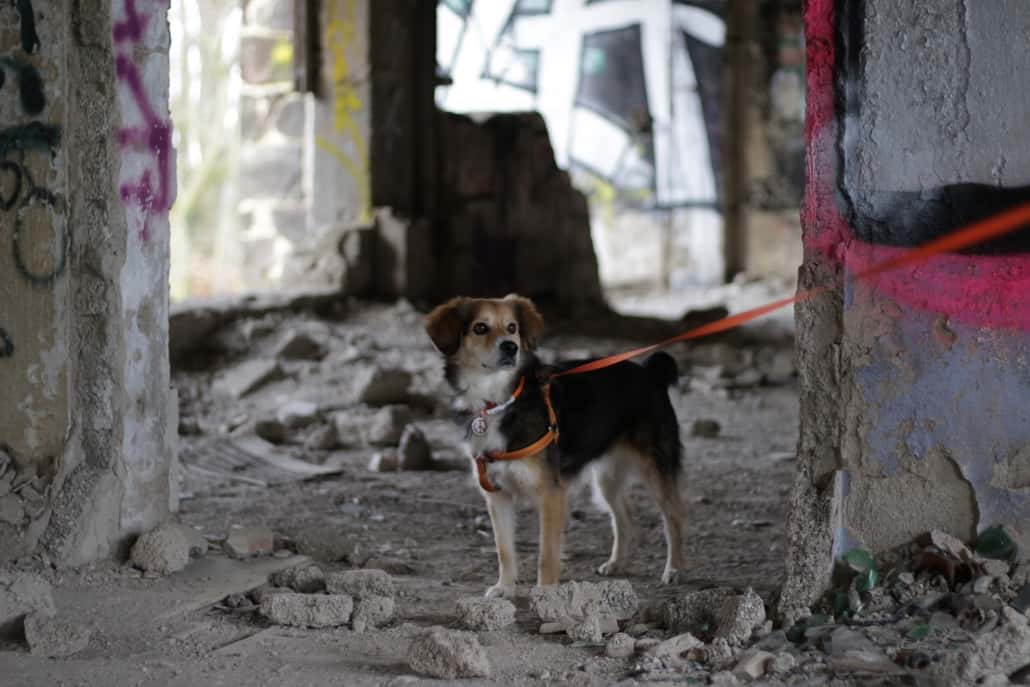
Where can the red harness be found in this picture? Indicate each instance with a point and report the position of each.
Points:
(540, 444)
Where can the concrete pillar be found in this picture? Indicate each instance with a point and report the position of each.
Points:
(914, 382)
(87, 416)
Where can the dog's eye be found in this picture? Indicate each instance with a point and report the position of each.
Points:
(480, 328)
(512, 328)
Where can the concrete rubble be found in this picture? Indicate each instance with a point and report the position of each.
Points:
(387, 425)
(448, 655)
(22, 593)
(379, 386)
(478, 613)
(247, 377)
(247, 542)
(585, 611)
(307, 610)
(373, 591)
(733, 617)
(306, 578)
(54, 638)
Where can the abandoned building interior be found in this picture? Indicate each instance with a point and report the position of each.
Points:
(229, 450)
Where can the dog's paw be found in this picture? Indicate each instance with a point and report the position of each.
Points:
(672, 576)
(501, 591)
(610, 568)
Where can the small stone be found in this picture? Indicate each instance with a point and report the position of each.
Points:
(448, 654)
(906, 578)
(297, 414)
(53, 638)
(161, 551)
(740, 616)
(1022, 601)
(270, 430)
(621, 645)
(350, 429)
(247, 377)
(323, 438)
(387, 425)
(11, 509)
(995, 567)
(783, 663)
(948, 544)
(378, 386)
(384, 461)
(638, 629)
(307, 610)
(477, 613)
(414, 452)
(361, 583)
(982, 584)
(305, 578)
(297, 345)
(593, 627)
(705, 428)
(372, 612)
(754, 665)
(22, 593)
(246, 542)
(676, 646)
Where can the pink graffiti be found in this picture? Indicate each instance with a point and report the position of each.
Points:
(980, 291)
(153, 137)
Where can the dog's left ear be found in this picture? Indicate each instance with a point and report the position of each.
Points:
(531, 322)
(446, 324)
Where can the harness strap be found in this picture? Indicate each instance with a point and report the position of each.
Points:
(539, 445)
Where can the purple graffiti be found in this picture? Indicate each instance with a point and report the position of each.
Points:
(154, 136)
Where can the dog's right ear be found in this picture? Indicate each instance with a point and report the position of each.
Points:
(446, 324)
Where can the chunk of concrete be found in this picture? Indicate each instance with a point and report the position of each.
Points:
(384, 461)
(163, 550)
(350, 428)
(360, 583)
(372, 612)
(739, 616)
(1003, 650)
(306, 578)
(53, 638)
(387, 425)
(572, 600)
(298, 345)
(247, 377)
(307, 610)
(246, 542)
(380, 386)
(414, 452)
(448, 655)
(198, 544)
(477, 613)
(22, 593)
(754, 665)
(322, 438)
(733, 616)
(297, 414)
(621, 645)
(674, 647)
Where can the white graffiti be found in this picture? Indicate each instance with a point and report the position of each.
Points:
(513, 55)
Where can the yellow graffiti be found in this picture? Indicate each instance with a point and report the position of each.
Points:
(340, 34)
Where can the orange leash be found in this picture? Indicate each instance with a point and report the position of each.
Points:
(978, 232)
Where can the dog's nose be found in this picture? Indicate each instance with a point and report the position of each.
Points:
(509, 348)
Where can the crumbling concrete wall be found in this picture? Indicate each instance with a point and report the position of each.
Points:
(914, 381)
(87, 417)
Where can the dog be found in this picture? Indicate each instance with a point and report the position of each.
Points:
(614, 424)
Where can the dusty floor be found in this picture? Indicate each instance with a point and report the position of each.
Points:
(428, 528)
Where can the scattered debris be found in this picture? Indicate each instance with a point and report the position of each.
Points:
(22, 593)
(246, 542)
(247, 377)
(379, 386)
(572, 600)
(387, 425)
(163, 550)
(306, 578)
(754, 665)
(705, 428)
(372, 611)
(361, 583)
(448, 654)
(621, 645)
(478, 613)
(53, 638)
(307, 610)
(717, 613)
(676, 646)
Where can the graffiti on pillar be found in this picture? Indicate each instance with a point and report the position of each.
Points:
(340, 37)
(982, 286)
(29, 39)
(150, 136)
(630, 91)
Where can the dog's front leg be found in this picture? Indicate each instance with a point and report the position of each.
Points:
(502, 516)
(551, 507)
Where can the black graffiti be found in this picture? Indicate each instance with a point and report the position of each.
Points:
(24, 194)
(31, 136)
(29, 38)
(30, 83)
(6, 345)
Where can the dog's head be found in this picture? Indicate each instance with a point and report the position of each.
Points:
(483, 335)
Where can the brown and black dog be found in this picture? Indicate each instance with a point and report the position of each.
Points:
(615, 424)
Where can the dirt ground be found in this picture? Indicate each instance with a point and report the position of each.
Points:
(427, 528)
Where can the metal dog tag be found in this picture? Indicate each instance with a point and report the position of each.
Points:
(479, 425)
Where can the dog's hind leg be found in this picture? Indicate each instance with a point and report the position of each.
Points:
(665, 487)
(502, 516)
(609, 481)
(552, 507)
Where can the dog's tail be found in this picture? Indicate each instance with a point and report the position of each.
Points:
(662, 369)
